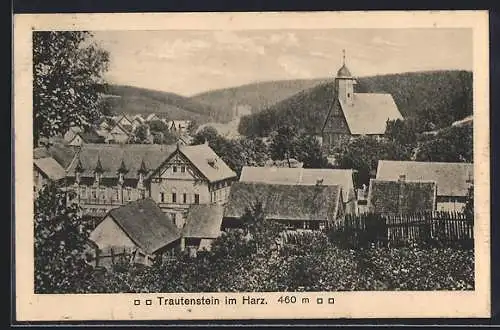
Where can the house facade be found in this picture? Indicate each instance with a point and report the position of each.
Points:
(190, 175)
(140, 229)
(453, 179)
(106, 176)
(354, 114)
(119, 134)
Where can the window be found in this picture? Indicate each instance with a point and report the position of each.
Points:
(129, 194)
(183, 169)
(94, 194)
(184, 198)
(174, 169)
(117, 194)
(348, 94)
(162, 197)
(174, 197)
(83, 192)
(172, 216)
(196, 198)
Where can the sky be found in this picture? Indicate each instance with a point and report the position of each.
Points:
(190, 62)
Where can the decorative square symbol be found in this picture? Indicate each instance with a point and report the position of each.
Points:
(331, 300)
(319, 300)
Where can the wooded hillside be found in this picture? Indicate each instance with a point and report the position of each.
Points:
(434, 99)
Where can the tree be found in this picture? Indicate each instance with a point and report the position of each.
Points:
(157, 126)
(283, 142)
(454, 144)
(403, 132)
(61, 237)
(141, 134)
(363, 154)
(192, 127)
(308, 150)
(207, 133)
(67, 70)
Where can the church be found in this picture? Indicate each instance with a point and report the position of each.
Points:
(356, 114)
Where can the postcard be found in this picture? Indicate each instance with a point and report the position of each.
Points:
(275, 165)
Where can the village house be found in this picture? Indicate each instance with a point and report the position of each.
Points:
(306, 177)
(401, 197)
(72, 131)
(295, 206)
(50, 163)
(120, 134)
(90, 136)
(453, 179)
(356, 114)
(140, 229)
(137, 121)
(151, 117)
(106, 176)
(123, 120)
(190, 175)
(203, 226)
(178, 126)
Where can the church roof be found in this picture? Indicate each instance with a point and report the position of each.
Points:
(368, 113)
(344, 72)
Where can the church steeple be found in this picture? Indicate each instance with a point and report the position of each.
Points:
(344, 83)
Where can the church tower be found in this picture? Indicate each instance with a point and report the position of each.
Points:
(344, 83)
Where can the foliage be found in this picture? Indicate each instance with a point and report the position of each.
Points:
(67, 71)
(419, 269)
(192, 127)
(157, 126)
(403, 132)
(453, 144)
(287, 142)
(141, 134)
(60, 241)
(363, 154)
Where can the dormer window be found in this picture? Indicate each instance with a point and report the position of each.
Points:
(142, 172)
(122, 170)
(98, 170)
(78, 171)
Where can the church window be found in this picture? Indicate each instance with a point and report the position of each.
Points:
(183, 169)
(174, 169)
(174, 198)
(196, 198)
(184, 198)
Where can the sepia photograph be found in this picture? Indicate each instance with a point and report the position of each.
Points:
(210, 165)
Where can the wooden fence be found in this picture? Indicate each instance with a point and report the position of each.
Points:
(441, 228)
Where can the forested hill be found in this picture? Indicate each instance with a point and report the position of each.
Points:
(434, 99)
(256, 95)
(128, 99)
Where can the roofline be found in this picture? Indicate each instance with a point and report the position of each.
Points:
(421, 162)
(162, 164)
(123, 229)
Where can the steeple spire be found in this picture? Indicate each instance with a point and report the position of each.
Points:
(343, 56)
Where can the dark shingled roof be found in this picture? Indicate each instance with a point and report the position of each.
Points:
(146, 225)
(112, 155)
(285, 202)
(203, 221)
(451, 178)
(416, 196)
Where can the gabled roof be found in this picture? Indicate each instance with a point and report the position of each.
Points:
(151, 116)
(50, 168)
(285, 202)
(416, 196)
(368, 113)
(62, 154)
(300, 176)
(203, 221)
(207, 162)
(112, 155)
(451, 178)
(124, 128)
(146, 225)
(90, 137)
